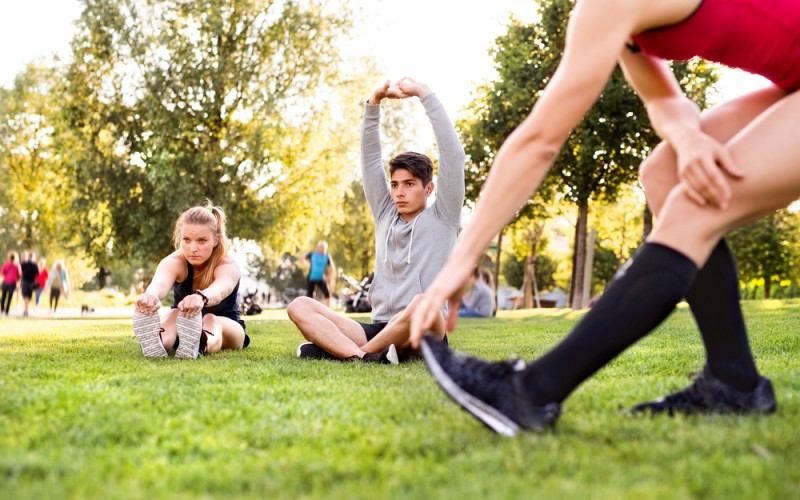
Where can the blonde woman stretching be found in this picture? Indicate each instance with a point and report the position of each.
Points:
(205, 280)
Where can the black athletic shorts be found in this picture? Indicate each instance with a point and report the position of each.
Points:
(322, 286)
(27, 289)
(371, 330)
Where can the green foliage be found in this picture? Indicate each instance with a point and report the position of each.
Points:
(513, 270)
(169, 103)
(352, 238)
(604, 266)
(289, 273)
(768, 249)
(33, 193)
(83, 415)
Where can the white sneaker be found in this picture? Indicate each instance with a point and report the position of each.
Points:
(147, 328)
(189, 330)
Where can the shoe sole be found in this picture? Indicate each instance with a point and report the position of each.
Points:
(147, 328)
(189, 331)
(488, 415)
(300, 349)
(391, 355)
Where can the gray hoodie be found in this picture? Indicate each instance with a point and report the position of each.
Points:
(409, 255)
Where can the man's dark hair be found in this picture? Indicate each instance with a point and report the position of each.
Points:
(419, 165)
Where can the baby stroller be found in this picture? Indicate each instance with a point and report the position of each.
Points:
(356, 300)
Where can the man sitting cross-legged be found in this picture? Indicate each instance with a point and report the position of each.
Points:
(412, 240)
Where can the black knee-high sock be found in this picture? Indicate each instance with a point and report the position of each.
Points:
(642, 295)
(714, 299)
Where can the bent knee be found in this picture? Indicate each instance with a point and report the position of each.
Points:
(659, 166)
(298, 307)
(210, 322)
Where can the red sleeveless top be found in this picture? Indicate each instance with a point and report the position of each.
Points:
(758, 36)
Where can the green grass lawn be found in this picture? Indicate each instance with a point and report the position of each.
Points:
(83, 415)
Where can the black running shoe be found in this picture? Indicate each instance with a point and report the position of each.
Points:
(387, 356)
(492, 392)
(309, 350)
(708, 394)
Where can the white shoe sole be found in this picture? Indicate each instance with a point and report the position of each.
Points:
(488, 415)
(147, 328)
(189, 331)
(391, 355)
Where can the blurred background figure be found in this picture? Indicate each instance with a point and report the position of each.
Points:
(477, 303)
(320, 272)
(29, 271)
(58, 282)
(41, 279)
(11, 274)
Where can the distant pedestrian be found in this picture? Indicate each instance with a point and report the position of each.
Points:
(29, 271)
(58, 282)
(41, 279)
(321, 272)
(11, 275)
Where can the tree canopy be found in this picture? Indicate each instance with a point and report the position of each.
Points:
(169, 103)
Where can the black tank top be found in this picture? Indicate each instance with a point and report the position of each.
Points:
(226, 308)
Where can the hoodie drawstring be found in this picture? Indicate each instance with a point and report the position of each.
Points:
(410, 243)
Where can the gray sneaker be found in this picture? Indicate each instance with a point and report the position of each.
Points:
(147, 328)
(491, 392)
(189, 331)
(708, 394)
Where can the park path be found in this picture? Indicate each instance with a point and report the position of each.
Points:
(74, 312)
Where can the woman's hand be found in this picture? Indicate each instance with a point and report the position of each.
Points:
(148, 303)
(449, 286)
(703, 164)
(191, 304)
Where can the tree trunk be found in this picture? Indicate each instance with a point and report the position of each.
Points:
(527, 285)
(767, 287)
(579, 255)
(571, 285)
(529, 288)
(497, 265)
(536, 300)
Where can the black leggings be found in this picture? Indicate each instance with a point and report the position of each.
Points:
(8, 293)
(55, 293)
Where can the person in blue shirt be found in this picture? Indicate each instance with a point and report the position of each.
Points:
(320, 266)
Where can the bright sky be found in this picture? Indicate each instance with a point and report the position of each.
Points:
(442, 42)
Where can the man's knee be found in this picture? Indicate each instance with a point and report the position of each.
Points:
(299, 307)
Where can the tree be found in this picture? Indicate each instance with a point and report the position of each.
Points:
(603, 152)
(768, 249)
(169, 103)
(33, 198)
(352, 238)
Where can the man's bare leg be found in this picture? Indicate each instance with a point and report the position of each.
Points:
(336, 334)
(398, 330)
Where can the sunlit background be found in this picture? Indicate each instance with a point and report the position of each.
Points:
(431, 40)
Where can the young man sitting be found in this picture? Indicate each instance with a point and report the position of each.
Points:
(412, 239)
